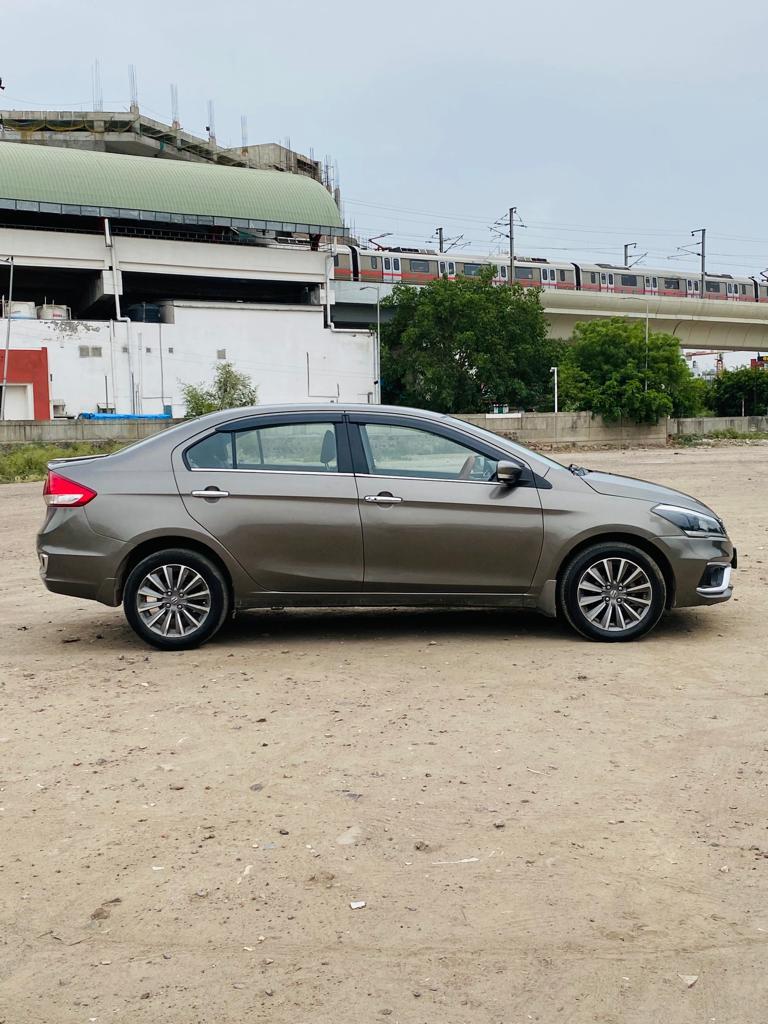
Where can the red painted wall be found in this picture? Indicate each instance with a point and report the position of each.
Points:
(30, 366)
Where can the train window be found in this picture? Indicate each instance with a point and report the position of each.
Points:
(672, 284)
(593, 278)
(562, 275)
(743, 289)
(628, 280)
(396, 264)
(655, 282)
(712, 286)
(420, 266)
(387, 263)
(374, 262)
(335, 259)
(524, 273)
(451, 268)
(472, 269)
(503, 272)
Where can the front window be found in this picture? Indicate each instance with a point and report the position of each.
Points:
(407, 451)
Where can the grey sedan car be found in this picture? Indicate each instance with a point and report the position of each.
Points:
(331, 505)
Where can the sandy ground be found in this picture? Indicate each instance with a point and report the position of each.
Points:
(542, 829)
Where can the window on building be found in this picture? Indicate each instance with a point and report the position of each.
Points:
(523, 273)
(90, 351)
(419, 266)
(221, 353)
(148, 350)
(85, 351)
(170, 350)
(628, 280)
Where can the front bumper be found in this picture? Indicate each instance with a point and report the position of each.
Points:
(703, 569)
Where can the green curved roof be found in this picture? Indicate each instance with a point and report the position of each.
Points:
(71, 181)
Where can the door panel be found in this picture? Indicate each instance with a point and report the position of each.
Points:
(448, 527)
(291, 529)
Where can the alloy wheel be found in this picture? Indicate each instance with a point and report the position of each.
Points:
(614, 594)
(173, 600)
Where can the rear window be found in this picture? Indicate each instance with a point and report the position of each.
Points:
(213, 452)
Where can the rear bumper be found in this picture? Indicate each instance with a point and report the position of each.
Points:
(77, 561)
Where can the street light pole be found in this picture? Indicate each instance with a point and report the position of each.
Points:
(4, 392)
(553, 369)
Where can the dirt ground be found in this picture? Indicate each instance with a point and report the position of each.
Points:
(542, 829)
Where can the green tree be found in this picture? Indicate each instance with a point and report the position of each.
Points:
(609, 370)
(229, 390)
(466, 345)
(745, 389)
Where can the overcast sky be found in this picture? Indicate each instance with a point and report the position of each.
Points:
(603, 122)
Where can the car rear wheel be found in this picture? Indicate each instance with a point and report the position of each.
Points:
(175, 599)
(612, 592)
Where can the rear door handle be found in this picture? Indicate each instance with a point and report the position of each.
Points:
(382, 499)
(210, 492)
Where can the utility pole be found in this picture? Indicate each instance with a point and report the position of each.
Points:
(703, 243)
(8, 309)
(440, 242)
(627, 247)
(553, 370)
(512, 212)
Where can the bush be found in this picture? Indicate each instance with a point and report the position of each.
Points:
(23, 462)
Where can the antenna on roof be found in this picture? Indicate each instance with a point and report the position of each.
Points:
(134, 88)
(175, 106)
(98, 96)
(211, 126)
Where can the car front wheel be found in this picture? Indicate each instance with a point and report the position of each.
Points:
(612, 592)
(175, 599)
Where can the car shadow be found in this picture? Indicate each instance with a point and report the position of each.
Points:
(364, 624)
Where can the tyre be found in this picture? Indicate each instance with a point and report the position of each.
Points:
(175, 599)
(612, 592)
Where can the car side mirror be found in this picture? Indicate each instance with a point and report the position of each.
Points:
(508, 473)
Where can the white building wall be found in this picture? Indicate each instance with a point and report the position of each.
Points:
(139, 368)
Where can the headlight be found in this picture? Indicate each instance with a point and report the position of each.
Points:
(695, 524)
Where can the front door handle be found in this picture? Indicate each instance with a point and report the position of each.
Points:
(210, 493)
(382, 499)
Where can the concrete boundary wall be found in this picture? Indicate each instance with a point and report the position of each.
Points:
(715, 424)
(571, 428)
(567, 428)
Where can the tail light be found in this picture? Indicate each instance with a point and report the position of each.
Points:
(58, 490)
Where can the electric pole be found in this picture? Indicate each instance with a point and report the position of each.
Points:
(627, 247)
(512, 212)
(703, 243)
(440, 239)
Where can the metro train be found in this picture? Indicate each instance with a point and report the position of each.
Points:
(418, 266)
